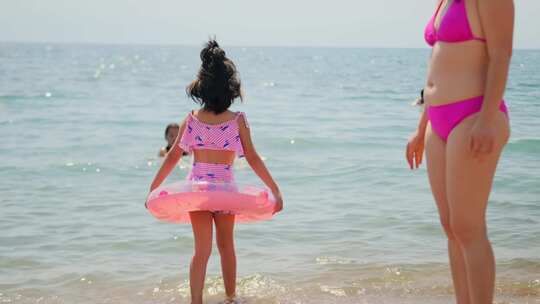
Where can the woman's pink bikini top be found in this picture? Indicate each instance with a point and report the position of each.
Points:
(453, 27)
(225, 136)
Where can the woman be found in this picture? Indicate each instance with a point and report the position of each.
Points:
(464, 129)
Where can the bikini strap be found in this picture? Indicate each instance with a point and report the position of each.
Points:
(434, 18)
(243, 115)
(186, 139)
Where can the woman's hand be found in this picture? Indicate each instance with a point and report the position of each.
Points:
(415, 149)
(279, 203)
(482, 139)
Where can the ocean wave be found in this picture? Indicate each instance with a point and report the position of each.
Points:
(529, 145)
(372, 285)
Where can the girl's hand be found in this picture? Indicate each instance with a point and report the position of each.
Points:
(279, 203)
(146, 200)
(415, 150)
(482, 139)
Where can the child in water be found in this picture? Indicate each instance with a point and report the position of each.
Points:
(171, 133)
(215, 135)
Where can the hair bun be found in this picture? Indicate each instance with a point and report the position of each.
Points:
(217, 83)
(212, 53)
(217, 53)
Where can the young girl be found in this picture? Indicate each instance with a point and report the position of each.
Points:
(215, 135)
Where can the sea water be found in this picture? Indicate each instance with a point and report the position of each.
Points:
(81, 126)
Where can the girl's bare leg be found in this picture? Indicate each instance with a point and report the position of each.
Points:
(201, 222)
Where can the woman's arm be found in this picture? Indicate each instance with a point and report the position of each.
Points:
(414, 151)
(171, 159)
(255, 161)
(422, 123)
(415, 145)
(497, 19)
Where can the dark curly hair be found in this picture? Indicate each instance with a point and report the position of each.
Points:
(169, 127)
(217, 84)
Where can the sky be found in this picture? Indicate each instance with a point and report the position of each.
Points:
(336, 23)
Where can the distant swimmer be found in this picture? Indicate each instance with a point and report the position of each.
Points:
(171, 132)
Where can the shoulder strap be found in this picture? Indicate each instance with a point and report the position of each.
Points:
(243, 115)
(185, 140)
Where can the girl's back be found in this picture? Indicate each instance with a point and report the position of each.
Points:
(213, 138)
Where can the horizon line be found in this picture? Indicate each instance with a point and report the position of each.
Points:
(234, 45)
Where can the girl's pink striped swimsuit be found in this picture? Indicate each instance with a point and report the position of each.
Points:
(225, 136)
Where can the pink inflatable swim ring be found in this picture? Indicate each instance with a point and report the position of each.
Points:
(173, 202)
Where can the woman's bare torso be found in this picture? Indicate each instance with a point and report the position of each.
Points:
(457, 71)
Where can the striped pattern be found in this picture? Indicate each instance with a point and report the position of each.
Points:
(211, 173)
(200, 135)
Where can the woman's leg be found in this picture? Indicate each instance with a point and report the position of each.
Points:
(469, 182)
(436, 165)
(201, 222)
(225, 244)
